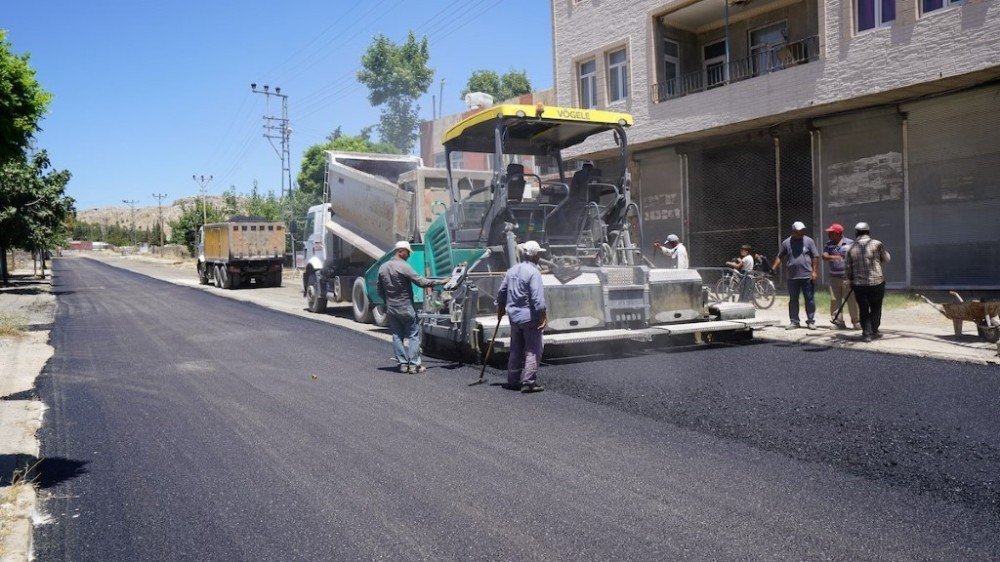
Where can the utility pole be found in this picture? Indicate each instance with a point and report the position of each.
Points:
(440, 111)
(131, 203)
(202, 183)
(159, 210)
(278, 129)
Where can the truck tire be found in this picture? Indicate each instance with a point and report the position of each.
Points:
(379, 316)
(202, 273)
(227, 281)
(217, 275)
(317, 304)
(235, 279)
(360, 305)
(274, 279)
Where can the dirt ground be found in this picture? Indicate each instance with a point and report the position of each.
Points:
(29, 306)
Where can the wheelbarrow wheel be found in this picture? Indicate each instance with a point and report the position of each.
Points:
(990, 333)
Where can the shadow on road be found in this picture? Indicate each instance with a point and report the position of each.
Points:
(45, 473)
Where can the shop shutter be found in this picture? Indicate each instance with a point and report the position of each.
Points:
(660, 197)
(954, 166)
(861, 173)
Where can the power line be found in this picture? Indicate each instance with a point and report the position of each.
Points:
(131, 203)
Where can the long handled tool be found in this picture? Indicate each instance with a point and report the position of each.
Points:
(842, 304)
(489, 351)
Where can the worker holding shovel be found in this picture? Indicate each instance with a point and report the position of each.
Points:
(522, 298)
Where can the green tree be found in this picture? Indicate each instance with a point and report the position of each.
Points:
(23, 102)
(267, 207)
(396, 76)
(510, 85)
(33, 206)
(312, 170)
(185, 229)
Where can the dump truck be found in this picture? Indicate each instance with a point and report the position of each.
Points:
(599, 286)
(241, 252)
(372, 200)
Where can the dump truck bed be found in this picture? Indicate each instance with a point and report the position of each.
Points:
(244, 240)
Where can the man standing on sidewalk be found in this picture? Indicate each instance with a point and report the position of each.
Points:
(396, 278)
(834, 254)
(801, 260)
(522, 297)
(864, 270)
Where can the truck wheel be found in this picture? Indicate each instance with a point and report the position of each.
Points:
(226, 279)
(202, 274)
(317, 304)
(380, 316)
(360, 304)
(217, 275)
(234, 280)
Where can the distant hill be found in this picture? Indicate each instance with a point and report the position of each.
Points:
(145, 217)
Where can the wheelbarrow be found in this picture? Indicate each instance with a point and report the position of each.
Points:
(984, 314)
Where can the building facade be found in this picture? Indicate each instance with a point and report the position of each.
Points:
(751, 114)
(431, 133)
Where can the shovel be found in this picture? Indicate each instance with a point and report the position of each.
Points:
(840, 309)
(489, 350)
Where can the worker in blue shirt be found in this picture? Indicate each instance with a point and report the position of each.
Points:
(522, 298)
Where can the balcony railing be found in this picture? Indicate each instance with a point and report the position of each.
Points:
(763, 61)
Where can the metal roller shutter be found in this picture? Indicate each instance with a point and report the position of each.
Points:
(861, 173)
(954, 166)
(660, 199)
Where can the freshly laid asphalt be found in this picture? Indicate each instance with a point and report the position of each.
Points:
(184, 426)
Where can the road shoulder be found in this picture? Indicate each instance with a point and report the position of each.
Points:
(28, 308)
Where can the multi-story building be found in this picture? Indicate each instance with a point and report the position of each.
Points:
(751, 114)
(431, 132)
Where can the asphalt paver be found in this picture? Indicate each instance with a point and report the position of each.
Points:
(185, 426)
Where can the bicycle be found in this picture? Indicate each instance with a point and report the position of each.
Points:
(727, 289)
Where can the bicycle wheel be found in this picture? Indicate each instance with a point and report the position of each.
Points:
(763, 293)
(724, 289)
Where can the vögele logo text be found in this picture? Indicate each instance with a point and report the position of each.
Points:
(573, 114)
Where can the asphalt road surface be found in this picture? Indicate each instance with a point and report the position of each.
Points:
(184, 426)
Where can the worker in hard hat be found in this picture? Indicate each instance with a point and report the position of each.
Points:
(396, 278)
(865, 258)
(522, 298)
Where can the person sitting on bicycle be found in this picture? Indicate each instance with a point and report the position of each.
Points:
(744, 264)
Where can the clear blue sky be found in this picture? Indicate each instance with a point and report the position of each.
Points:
(149, 93)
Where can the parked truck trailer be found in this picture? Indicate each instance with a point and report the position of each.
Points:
(241, 252)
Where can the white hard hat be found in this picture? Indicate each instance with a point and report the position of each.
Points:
(862, 226)
(403, 245)
(798, 225)
(673, 238)
(531, 248)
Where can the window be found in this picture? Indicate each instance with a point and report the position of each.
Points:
(588, 84)
(931, 5)
(870, 14)
(671, 66)
(439, 160)
(458, 160)
(764, 45)
(714, 55)
(617, 75)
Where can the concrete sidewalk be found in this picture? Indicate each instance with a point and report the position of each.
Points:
(917, 330)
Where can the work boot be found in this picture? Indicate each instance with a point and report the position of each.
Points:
(417, 369)
(867, 338)
(531, 387)
(811, 325)
(511, 386)
(404, 368)
(876, 335)
(792, 326)
(840, 325)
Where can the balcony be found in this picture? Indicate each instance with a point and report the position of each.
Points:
(712, 43)
(764, 61)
